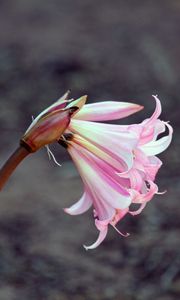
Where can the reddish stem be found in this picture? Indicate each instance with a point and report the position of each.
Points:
(10, 165)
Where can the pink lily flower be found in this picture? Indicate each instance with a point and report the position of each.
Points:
(117, 163)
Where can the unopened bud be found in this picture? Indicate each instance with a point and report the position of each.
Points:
(49, 125)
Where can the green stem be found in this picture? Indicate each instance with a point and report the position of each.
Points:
(10, 165)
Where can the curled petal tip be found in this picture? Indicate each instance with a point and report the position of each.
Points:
(69, 211)
(80, 206)
(100, 239)
(86, 247)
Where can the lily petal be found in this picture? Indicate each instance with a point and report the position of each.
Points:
(160, 127)
(156, 147)
(81, 206)
(101, 237)
(99, 182)
(119, 146)
(107, 110)
(135, 179)
(156, 113)
(140, 198)
(152, 168)
(99, 152)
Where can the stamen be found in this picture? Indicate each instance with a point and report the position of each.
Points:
(123, 234)
(161, 193)
(64, 139)
(51, 155)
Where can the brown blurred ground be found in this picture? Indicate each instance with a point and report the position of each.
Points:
(117, 50)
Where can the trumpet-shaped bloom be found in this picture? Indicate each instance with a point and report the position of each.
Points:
(117, 163)
(50, 124)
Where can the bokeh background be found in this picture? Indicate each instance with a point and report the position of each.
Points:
(110, 50)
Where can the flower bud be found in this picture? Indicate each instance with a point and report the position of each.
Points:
(49, 125)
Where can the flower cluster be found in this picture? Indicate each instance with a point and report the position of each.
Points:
(117, 163)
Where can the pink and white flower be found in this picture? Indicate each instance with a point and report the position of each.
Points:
(117, 163)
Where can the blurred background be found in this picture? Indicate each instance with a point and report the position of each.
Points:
(111, 50)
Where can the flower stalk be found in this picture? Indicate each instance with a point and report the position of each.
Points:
(11, 164)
